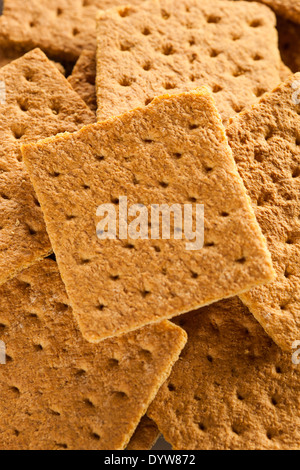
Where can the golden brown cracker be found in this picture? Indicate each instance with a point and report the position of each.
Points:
(61, 28)
(178, 46)
(145, 435)
(172, 152)
(59, 391)
(36, 102)
(83, 78)
(266, 145)
(232, 388)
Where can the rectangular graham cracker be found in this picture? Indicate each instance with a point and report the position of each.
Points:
(266, 146)
(36, 102)
(173, 151)
(145, 436)
(61, 28)
(83, 78)
(178, 46)
(289, 43)
(232, 388)
(57, 391)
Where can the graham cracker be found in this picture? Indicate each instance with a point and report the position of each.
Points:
(60, 392)
(265, 143)
(37, 102)
(178, 46)
(232, 388)
(145, 436)
(173, 151)
(61, 28)
(289, 43)
(83, 78)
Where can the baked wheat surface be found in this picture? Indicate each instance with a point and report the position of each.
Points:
(265, 142)
(57, 391)
(178, 46)
(232, 388)
(38, 102)
(61, 28)
(173, 151)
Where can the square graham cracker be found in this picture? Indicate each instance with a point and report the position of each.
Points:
(232, 388)
(266, 146)
(60, 392)
(37, 102)
(61, 28)
(173, 151)
(178, 46)
(145, 436)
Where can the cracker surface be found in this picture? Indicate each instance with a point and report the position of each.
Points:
(60, 392)
(178, 46)
(172, 152)
(232, 388)
(36, 102)
(266, 146)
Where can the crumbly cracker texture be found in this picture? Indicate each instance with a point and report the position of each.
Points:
(266, 146)
(59, 391)
(178, 46)
(232, 388)
(174, 150)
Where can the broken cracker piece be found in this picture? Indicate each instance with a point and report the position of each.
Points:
(232, 388)
(178, 46)
(266, 146)
(57, 391)
(172, 152)
(35, 102)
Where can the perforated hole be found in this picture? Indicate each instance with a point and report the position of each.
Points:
(89, 403)
(23, 105)
(210, 358)
(213, 19)
(194, 275)
(115, 278)
(296, 172)
(240, 397)
(147, 66)
(59, 12)
(2, 327)
(169, 86)
(4, 196)
(16, 391)
(193, 126)
(18, 132)
(38, 347)
(120, 395)
(238, 72)
(177, 155)
(241, 260)
(146, 32)
(163, 184)
(202, 427)
(165, 14)
(126, 81)
(257, 57)
(171, 387)
(100, 158)
(123, 12)
(217, 88)
(145, 293)
(95, 436)
(113, 362)
(259, 92)
(168, 49)
(255, 24)
(100, 307)
(225, 214)
(125, 47)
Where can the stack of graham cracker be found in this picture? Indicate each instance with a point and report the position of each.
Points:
(111, 341)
